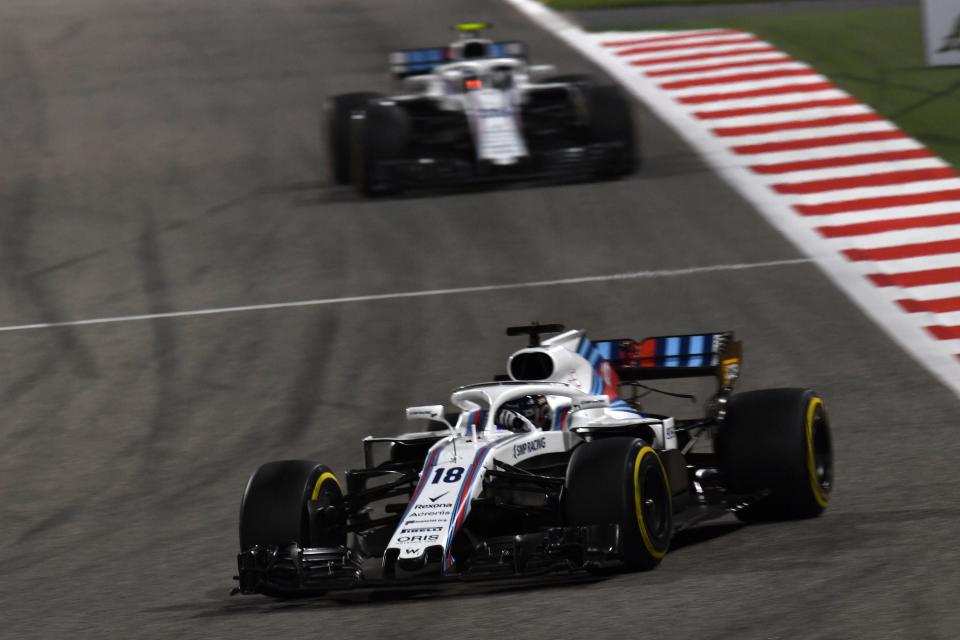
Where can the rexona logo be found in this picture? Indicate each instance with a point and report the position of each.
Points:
(438, 505)
(419, 538)
(529, 447)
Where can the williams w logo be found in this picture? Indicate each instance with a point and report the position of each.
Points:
(951, 42)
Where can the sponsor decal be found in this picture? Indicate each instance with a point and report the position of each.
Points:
(439, 496)
(730, 370)
(432, 514)
(425, 521)
(439, 505)
(494, 112)
(419, 538)
(951, 41)
(420, 529)
(524, 448)
(670, 433)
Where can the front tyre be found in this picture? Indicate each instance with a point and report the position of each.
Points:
(336, 125)
(778, 440)
(380, 140)
(622, 481)
(610, 122)
(291, 501)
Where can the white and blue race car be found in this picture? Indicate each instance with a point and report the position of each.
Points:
(475, 111)
(552, 467)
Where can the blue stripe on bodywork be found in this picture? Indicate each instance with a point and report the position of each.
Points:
(605, 349)
(623, 405)
(584, 346)
(424, 475)
(697, 344)
(671, 350)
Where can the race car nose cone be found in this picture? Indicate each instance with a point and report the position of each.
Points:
(429, 562)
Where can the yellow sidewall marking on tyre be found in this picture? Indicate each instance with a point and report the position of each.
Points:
(818, 493)
(638, 500)
(326, 475)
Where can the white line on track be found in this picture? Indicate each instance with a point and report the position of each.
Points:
(633, 275)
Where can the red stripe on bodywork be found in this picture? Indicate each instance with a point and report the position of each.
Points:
(732, 79)
(916, 278)
(648, 351)
(870, 180)
(795, 124)
(882, 226)
(841, 161)
(938, 305)
(757, 93)
(658, 73)
(886, 202)
(425, 474)
(901, 252)
(703, 56)
(812, 143)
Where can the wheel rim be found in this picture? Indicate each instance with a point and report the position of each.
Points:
(822, 451)
(653, 492)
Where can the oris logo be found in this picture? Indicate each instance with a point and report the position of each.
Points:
(419, 538)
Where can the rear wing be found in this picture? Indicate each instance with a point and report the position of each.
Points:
(414, 62)
(685, 356)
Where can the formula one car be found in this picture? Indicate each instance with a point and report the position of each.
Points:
(553, 467)
(472, 111)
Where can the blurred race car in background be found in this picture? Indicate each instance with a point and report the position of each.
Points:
(474, 111)
(548, 468)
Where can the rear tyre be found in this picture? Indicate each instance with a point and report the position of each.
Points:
(622, 481)
(291, 501)
(336, 125)
(778, 439)
(382, 135)
(610, 121)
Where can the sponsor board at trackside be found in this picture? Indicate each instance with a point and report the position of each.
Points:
(941, 32)
(877, 211)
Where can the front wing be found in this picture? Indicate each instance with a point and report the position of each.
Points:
(292, 570)
(569, 163)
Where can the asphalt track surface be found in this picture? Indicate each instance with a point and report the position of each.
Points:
(162, 156)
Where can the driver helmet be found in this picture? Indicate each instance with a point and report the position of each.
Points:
(501, 77)
(534, 408)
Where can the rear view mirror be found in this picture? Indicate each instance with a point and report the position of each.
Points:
(433, 413)
(429, 412)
